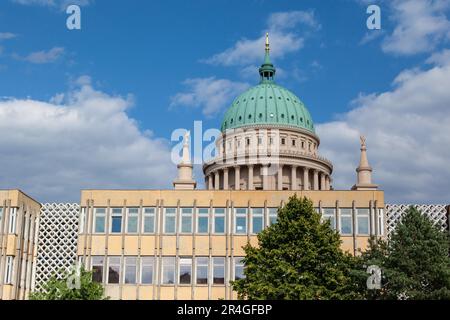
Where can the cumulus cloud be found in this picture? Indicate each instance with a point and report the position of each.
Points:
(283, 36)
(210, 94)
(420, 26)
(80, 139)
(407, 133)
(43, 57)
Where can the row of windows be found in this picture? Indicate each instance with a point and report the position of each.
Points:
(346, 223)
(214, 220)
(11, 226)
(204, 224)
(182, 270)
(305, 144)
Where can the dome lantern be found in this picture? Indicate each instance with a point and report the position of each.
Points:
(267, 69)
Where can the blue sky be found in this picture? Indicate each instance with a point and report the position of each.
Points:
(161, 65)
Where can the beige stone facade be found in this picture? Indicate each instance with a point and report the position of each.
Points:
(180, 244)
(19, 220)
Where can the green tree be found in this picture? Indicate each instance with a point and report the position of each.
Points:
(415, 262)
(299, 257)
(67, 289)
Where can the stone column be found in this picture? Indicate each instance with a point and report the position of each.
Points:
(294, 185)
(265, 177)
(316, 180)
(237, 178)
(217, 180)
(305, 178)
(210, 182)
(250, 177)
(327, 182)
(280, 177)
(225, 179)
(322, 181)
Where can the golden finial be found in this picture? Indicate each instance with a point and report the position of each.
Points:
(267, 41)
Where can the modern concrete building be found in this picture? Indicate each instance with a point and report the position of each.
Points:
(19, 218)
(179, 244)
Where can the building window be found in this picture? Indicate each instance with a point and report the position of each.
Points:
(330, 215)
(147, 267)
(238, 268)
(219, 220)
(202, 270)
(283, 141)
(240, 220)
(113, 270)
(100, 218)
(247, 141)
(9, 269)
(169, 220)
(346, 221)
(82, 220)
(185, 272)
(203, 220)
(260, 140)
(149, 220)
(380, 222)
(257, 220)
(218, 270)
(130, 270)
(97, 269)
(303, 144)
(116, 220)
(168, 270)
(12, 220)
(273, 215)
(186, 220)
(132, 220)
(362, 221)
(293, 143)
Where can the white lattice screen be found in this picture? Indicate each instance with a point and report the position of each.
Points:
(57, 242)
(436, 212)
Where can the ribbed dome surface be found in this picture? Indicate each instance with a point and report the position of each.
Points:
(267, 103)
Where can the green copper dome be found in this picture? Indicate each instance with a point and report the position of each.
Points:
(267, 104)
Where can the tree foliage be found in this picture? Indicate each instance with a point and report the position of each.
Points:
(299, 257)
(67, 289)
(415, 262)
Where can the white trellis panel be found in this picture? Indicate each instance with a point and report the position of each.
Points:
(57, 240)
(437, 213)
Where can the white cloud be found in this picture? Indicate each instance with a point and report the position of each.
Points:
(210, 94)
(290, 20)
(43, 57)
(82, 139)
(7, 35)
(440, 58)
(420, 26)
(284, 38)
(370, 36)
(407, 133)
